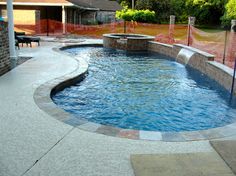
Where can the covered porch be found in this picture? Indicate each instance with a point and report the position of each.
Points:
(48, 19)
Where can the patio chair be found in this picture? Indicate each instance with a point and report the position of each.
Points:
(19, 36)
(22, 38)
(34, 39)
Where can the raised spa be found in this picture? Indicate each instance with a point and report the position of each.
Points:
(130, 42)
(145, 91)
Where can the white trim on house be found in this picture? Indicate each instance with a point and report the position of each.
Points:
(49, 4)
(86, 8)
(39, 4)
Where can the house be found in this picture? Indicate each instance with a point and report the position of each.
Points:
(37, 15)
(101, 10)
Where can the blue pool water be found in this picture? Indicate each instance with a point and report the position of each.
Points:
(145, 92)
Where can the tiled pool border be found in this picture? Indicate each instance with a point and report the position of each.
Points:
(42, 97)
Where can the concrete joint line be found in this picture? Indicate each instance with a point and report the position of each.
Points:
(47, 152)
(230, 167)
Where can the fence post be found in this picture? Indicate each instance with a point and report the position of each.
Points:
(47, 22)
(191, 22)
(225, 45)
(124, 26)
(171, 27)
(233, 25)
(233, 81)
(233, 29)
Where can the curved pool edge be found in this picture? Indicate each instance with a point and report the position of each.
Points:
(42, 97)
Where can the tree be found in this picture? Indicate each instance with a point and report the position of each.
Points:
(206, 11)
(178, 8)
(230, 12)
(161, 7)
(126, 2)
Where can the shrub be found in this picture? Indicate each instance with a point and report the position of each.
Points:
(144, 16)
(136, 15)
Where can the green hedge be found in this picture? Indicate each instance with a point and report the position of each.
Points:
(136, 15)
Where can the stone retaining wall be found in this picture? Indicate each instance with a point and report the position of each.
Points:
(5, 64)
(201, 61)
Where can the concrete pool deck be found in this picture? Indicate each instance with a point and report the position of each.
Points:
(34, 143)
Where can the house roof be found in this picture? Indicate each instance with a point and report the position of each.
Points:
(106, 5)
(39, 2)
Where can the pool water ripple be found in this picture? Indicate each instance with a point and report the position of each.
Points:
(145, 92)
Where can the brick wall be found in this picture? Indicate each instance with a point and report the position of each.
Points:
(5, 64)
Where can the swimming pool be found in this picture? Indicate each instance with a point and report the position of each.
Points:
(145, 91)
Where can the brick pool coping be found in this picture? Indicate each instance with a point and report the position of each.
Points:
(43, 93)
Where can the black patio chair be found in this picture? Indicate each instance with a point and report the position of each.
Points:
(22, 38)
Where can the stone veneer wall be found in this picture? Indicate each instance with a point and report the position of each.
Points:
(162, 48)
(201, 61)
(222, 74)
(133, 42)
(109, 42)
(5, 64)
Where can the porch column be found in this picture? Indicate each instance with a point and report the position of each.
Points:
(80, 19)
(74, 14)
(11, 35)
(94, 17)
(64, 19)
